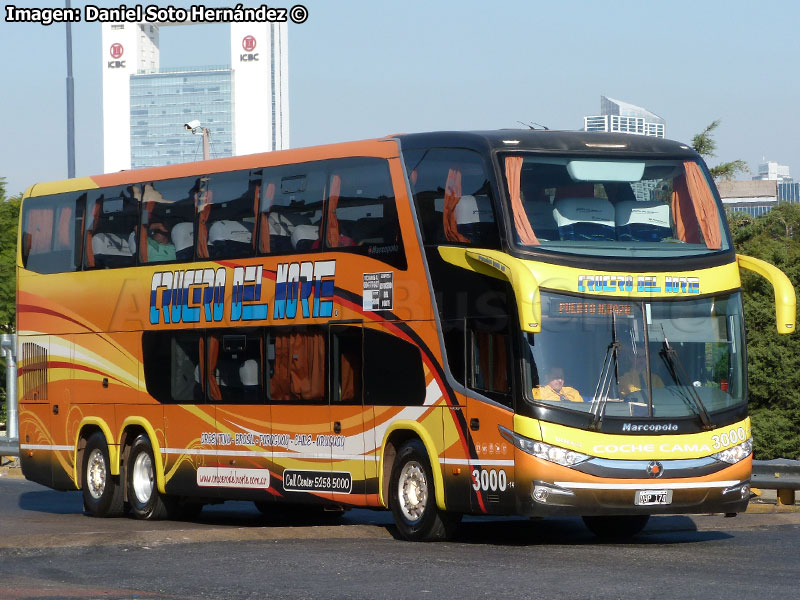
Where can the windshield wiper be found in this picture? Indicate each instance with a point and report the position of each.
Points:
(603, 388)
(679, 375)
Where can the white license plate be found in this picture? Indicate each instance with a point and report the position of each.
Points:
(651, 497)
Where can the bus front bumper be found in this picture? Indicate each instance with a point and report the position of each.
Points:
(570, 498)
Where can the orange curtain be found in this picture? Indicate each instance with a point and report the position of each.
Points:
(307, 367)
(687, 229)
(203, 202)
(263, 243)
(521, 222)
(40, 226)
(279, 380)
(452, 194)
(333, 220)
(214, 393)
(149, 207)
(704, 205)
(63, 230)
(256, 198)
(202, 365)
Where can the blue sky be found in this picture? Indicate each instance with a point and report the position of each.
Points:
(360, 69)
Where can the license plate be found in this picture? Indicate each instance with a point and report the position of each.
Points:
(651, 497)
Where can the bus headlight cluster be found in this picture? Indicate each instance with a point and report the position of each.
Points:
(554, 454)
(736, 453)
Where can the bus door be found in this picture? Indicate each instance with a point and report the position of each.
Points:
(489, 374)
(347, 414)
(242, 415)
(175, 375)
(296, 387)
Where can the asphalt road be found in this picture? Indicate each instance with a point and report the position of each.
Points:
(49, 549)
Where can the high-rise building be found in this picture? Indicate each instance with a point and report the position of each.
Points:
(622, 117)
(773, 171)
(244, 105)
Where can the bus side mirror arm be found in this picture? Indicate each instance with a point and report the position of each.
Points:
(502, 266)
(785, 300)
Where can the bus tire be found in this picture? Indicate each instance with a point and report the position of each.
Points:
(102, 492)
(617, 527)
(145, 500)
(412, 497)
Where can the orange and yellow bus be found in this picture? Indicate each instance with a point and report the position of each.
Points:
(515, 322)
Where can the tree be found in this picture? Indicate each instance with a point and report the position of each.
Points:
(773, 360)
(705, 145)
(9, 218)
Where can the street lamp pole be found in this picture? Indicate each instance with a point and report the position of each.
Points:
(70, 104)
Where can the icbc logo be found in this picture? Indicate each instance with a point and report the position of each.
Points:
(248, 43)
(116, 50)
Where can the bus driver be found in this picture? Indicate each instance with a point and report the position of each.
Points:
(555, 388)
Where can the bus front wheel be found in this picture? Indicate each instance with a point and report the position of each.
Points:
(102, 492)
(143, 496)
(617, 527)
(412, 497)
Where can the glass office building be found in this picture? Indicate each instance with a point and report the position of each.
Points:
(163, 101)
(622, 117)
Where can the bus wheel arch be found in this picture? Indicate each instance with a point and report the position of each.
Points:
(102, 491)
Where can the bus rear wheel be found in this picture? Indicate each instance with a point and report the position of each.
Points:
(617, 527)
(412, 497)
(145, 500)
(102, 492)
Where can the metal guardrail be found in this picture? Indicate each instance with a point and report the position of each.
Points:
(777, 474)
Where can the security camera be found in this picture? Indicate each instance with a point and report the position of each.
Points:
(192, 125)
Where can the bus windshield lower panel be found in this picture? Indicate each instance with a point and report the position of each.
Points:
(637, 359)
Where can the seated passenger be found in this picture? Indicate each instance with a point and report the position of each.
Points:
(633, 378)
(159, 248)
(555, 389)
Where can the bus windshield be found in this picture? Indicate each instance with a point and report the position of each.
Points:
(637, 359)
(602, 207)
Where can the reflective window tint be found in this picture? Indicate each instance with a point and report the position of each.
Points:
(52, 229)
(167, 218)
(346, 349)
(172, 366)
(393, 371)
(227, 221)
(233, 365)
(453, 197)
(291, 208)
(361, 213)
(111, 218)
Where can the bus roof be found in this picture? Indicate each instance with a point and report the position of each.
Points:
(582, 142)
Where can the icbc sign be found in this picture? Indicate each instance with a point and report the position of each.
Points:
(116, 51)
(249, 44)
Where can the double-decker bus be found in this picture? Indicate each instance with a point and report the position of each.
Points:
(494, 323)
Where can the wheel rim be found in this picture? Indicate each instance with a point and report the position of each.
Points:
(143, 478)
(96, 474)
(412, 491)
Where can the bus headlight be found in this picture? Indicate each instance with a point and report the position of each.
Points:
(554, 454)
(736, 453)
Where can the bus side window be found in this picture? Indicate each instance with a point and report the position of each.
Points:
(296, 362)
(453, 197)
(230, 222)
(489, 359)
(361, 212)
(110, 229)
(347, 353)
(233, 365)
(52, 228)
(172, 366)
(290, 213)
(166, 230)
(393, 371)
